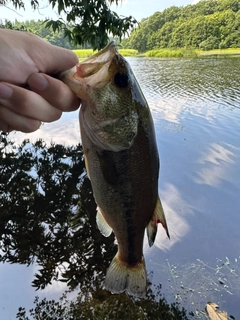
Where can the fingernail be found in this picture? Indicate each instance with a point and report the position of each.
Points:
(5, 91)
(37, 82)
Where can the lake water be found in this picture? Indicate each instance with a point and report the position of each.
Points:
(195, 105)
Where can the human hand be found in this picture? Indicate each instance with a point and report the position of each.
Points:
(27, 62)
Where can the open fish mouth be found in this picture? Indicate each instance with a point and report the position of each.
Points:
(93, 64)
(92, 72)
(100, 58)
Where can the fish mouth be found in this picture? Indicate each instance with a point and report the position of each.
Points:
(93, 64)
(94, 71)
(103, 55)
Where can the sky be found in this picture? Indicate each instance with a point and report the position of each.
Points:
(137, 8)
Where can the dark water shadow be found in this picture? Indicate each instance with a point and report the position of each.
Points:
(48, 217)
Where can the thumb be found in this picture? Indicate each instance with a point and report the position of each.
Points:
(56, 59)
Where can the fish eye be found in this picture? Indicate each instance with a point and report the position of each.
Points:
(121, 79)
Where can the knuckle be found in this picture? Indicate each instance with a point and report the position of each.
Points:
(57, 115)
(30, 125)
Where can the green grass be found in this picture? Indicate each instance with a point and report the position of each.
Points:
(172, 53)
(220, 51)
(85, 53)
(178, 53)
(161, 53)
(128, 52)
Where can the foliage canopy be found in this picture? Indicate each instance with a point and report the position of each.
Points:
(209, 24)
(102, 305)
(85, 21)
(48, 214)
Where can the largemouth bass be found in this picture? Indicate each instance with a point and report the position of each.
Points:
(122, 162)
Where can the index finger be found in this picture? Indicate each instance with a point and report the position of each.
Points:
(54, 91)
(54, 59)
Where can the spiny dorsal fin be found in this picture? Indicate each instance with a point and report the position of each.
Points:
(158, 217)
(103, 226)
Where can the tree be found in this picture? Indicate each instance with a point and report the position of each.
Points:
(207, 24)
(39, 28)
(210, 43)
(99, 305)
(87, 21)
(161, 38)
(48, 214)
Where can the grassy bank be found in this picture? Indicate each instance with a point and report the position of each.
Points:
(161, 53)
(85, 53)
(221, 52)
(172, 53)
(178, 53)
(128, 52)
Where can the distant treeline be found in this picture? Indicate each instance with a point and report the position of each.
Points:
(209, 24)
(39, 28)
(56, 38)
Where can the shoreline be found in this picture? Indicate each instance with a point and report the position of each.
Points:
(188, 53)
(86, 53)
(164, 53)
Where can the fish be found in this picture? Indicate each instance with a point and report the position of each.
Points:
(122, 162)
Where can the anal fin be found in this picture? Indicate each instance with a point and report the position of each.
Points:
(158, 217)
(102, 224)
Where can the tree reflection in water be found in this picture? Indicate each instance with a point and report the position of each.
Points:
(48, 217)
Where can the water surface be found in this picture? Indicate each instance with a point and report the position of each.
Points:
(195, 105)
(196, 109)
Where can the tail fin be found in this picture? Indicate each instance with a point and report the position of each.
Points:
(158, 217)
(121, 278)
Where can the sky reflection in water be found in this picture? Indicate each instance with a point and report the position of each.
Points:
(196, 109)
(195, 105)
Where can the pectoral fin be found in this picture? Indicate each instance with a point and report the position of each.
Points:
(102, 224)
(108, 167)
(158, 217)
(86, 163)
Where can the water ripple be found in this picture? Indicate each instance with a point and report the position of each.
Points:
(194, 79)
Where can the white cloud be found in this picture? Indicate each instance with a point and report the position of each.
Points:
(214, 164)
(65, 131)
